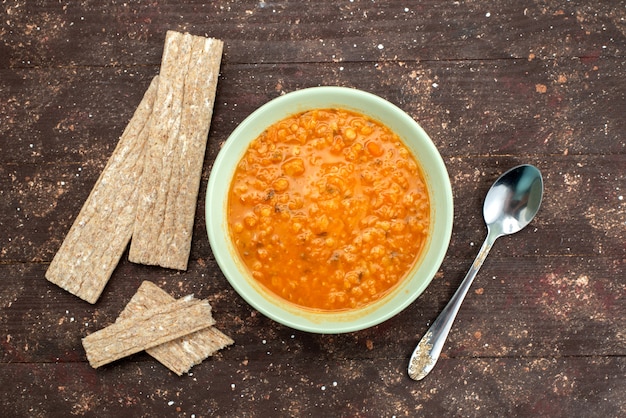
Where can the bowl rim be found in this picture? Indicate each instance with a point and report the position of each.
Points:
(216, 220)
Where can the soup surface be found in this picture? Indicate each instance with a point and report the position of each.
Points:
(328, 209)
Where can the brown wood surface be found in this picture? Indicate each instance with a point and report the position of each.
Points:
(495, 84)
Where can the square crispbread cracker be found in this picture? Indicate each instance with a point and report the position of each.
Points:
(181, 354)
(169, 186)
(99, 235)
(148, 329)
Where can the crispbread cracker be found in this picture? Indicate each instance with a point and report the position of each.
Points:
(148, 329)
(168, 188)
(99, 235)
(183, 353)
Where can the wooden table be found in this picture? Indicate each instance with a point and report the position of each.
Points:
(495, 84)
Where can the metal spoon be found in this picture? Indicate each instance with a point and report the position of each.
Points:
(510, 205)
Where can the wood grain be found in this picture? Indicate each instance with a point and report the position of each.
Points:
(494, 84)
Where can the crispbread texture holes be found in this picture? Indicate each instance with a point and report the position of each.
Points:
(148, 329)
(149, 187)
(100, 234)
(181, 354)
(168, 188)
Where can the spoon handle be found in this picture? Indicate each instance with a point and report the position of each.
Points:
(429, 348)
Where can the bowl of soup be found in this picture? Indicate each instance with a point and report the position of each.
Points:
(329, 210)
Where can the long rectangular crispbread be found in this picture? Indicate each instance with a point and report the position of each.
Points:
(181, 354)
(100, 233)
(148, 329)
(168, 188)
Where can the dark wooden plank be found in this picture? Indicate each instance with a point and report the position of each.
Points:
(40, 202)
(67, 115)
(131, 33)
(519, 306)
(494, 84)
(468, 108)
(309, 386)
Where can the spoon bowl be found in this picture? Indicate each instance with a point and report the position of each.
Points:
(513, 200)
(511, 203)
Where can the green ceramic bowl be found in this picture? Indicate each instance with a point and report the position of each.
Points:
(276, 308)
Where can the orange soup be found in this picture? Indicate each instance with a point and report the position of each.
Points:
(328, 209)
